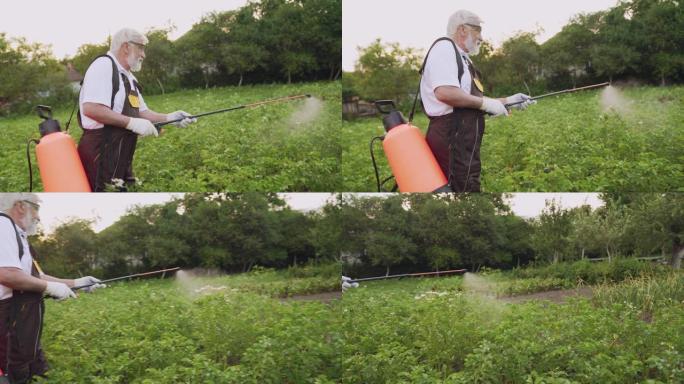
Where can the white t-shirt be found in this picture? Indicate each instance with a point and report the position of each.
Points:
(440, 70)
(97, 88)
(9, 252)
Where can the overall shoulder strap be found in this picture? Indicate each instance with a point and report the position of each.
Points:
(459, 63)
(115, 87)
(21, 247)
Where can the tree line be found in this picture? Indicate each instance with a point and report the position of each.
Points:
(264, 41)
(437, 232)
(637, 40)
(235, 232)
(228, 232)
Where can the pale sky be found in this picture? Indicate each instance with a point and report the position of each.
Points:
(417, 24)
(106, 208)
(68, 24)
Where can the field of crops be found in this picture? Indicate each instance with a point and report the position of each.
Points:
(254, 328)
(196, 330)
(443, 331)
(269, 148)
(567, 143)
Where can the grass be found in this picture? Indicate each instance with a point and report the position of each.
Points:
(257, 149)
(566, 143)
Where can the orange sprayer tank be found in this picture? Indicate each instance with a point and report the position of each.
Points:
(60, 166)
(410, 158)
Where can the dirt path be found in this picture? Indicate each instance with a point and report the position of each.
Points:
(324, 297)
(558, 296)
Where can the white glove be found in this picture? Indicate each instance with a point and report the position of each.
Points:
(88, 280)
(347, 283)
(142, 127)
(59, 291)
(521, 98)
(178, 115)
(493, 106)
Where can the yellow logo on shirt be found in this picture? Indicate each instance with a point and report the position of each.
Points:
(478, 84)
(134, 100)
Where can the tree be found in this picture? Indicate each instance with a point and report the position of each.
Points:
(388, 240)
(160, 61)
(387, 71)
(552, 230)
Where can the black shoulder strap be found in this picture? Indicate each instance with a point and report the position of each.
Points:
(115, 88)
(19, 244)
(459, 63)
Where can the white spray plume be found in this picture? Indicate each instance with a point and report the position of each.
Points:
(612, 100)
(309, 111)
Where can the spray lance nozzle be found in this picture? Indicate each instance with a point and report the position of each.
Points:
(392, 118)
(49, 125)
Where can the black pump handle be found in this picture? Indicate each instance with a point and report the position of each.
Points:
(385, 106)
(44, 111)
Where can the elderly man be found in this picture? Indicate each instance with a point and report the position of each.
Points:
(453, 98)
(22, 286)
(113, 113)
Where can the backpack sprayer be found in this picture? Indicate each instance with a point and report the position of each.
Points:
(60, 166)
(410, 158)
(163, 271)
(408, 154)
(278, 100)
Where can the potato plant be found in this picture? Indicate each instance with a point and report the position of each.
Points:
(166, 332)
(424, 331)
(259, 149)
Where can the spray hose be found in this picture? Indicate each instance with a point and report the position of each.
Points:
(28, 160)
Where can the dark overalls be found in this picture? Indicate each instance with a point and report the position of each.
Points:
(455, 138)
(107, 153)
(21, 326)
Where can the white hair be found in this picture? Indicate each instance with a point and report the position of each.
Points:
(125, 35)
(7, 200)
(461, 17)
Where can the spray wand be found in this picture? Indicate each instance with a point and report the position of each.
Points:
(128, 277)
(560, 93)
(419, 274)
(278, 100)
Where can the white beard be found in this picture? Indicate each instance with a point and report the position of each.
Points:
(30, 223)
(472, 46)
(136, 65)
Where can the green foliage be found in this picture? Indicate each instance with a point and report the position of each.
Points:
(560, 144)
(151, 332)
(258, 149)
(429, 331)
(589, 272)
(386, 71)
(29, 73)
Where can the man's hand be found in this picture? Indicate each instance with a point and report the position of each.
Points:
(347, 283)
(88, 280)
(59, 291)
(142, 127)
(493, 107)
(180, 115)
(522, 101)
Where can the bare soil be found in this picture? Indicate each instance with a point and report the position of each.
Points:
(557, 296)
